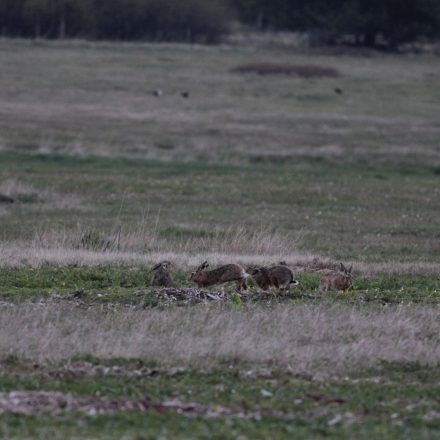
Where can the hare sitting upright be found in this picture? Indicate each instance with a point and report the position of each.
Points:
(223, 274)
(342, 280)
(162, 275)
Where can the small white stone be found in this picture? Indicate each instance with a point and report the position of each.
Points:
(335, 420)
(266, 393)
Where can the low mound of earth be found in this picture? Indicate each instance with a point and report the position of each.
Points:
(37, 402)
(191, 296)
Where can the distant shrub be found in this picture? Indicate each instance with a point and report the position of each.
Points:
(303, 71)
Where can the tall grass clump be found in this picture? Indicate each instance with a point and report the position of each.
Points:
(146, 237)
(146, 242)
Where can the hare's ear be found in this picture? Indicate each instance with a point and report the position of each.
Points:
(157, 266)
(342, 268)
(349, 270)
(204, 265)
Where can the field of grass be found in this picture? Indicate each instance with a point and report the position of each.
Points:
(326, 158)
(337, 210)
(389, 402)
(85, 98)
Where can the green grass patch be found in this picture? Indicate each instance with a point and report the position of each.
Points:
(314, 206)
(120, 284)
(392, 402)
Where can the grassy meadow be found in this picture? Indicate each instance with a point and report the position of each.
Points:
(100, 178)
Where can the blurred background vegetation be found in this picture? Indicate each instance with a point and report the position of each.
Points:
(360, 22)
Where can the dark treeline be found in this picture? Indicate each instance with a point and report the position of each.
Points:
(156, 20)
(395, 21)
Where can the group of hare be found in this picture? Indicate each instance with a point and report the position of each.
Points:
(279, 276)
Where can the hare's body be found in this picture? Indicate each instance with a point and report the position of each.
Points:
(279, 276)
(282, 277)
(261, 276)
(223, 274)
(343, 280)
(162, 276)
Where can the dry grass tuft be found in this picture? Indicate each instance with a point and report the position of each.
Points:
(319, 340)
(238, 240)
(302, 71)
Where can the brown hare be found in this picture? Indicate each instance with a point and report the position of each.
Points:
(223, 274)
(342, 280)
(162, 275)
(261, 276)
(279, 276)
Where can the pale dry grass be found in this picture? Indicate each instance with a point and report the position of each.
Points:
(145, 235)
(429, 268)
(22, 255)
(144, 244)
(239, 240)
(35, 255)
(320, 340)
